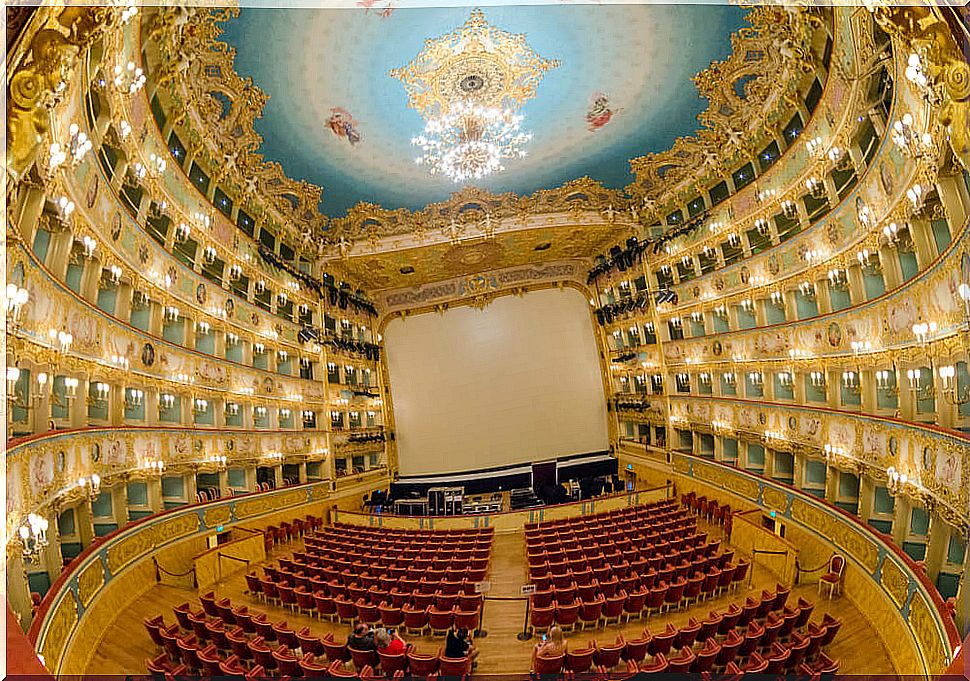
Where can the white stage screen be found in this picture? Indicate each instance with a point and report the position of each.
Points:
(516, 382)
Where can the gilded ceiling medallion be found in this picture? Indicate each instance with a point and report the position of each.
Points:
(476, 61)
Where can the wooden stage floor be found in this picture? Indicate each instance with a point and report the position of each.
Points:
(126, 644)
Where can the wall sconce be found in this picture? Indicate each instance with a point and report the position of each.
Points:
(687, 262)
(154, 466)
(128, 79)
(88, 245)
(765, 195)
(785, 379)
(282, 299)
(839, 158)
(883, 382)
(92, 486)
(275, 456)
(13, 375)
(756, 378)
(860, 347)
(232, 408)
(14, 301)
(304, 310)
(776, 298)
(833, 453)
(747, 305)
(259, 348)
(948, 378)
(729, 378)
(166, 401)
(922, 330)
(917, 197)
(817, 378)
(183, 378)
(200, 406)
(763, 226)
(789, 209)
(282, 356)
(284, 414)
(916, 74)
(649, 328)
(182, 233)
(259, 412)
(734, 240)
(170, 314)
(683, 381)
(813, 255)
(721, 427)
(33, 538)
(235, 272)
(850, 382)
(70, 387)
(231, 338)
(308, 416)
(202, 328)
(815, 147)
(807, 289)
(134, 398)
(259, 287)
(675, 322)
(209, 255)
(837, 278)
(202, 219)
(100, 396)
(218, 460)
(916, 387)
(815, 187)
(896, 481)
(704, 378)
(60, 339)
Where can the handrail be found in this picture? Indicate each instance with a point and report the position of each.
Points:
(236, 558)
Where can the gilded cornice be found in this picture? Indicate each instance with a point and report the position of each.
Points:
(771, 56)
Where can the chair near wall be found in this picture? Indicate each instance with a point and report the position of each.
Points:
(832, 580)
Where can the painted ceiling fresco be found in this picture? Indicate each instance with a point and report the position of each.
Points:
(337, 118)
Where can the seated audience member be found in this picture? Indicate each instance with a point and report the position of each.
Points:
(459, 644)
(552, 645)
(362, 638)
(389, 642)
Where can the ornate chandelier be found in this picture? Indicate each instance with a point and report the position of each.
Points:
(470, 141)
(469, 85)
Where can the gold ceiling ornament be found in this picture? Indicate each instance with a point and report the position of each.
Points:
(476, 62)
(768, 58)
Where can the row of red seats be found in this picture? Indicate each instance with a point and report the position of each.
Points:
(287, 531)
(674, 535)
(620, 564)
(628, 512)
(664, 522)
(252, 641)
(417, 612)
(773, 643)
(710, 509)
(385, 533)
(589, 606)
(390, 566)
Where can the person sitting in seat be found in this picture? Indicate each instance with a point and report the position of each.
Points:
(389, 643)
(362, 638)
(552, 645)
(459, 645)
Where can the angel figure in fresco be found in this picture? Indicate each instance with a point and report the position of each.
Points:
(342, 124)
(383, 11)
(599, 112)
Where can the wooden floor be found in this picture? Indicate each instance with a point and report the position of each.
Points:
(126, 644)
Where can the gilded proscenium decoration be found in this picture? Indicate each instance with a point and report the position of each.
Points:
(478, 62)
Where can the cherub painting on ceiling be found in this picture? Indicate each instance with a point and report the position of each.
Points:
(381, 9)
(599, 112)
(342, 124)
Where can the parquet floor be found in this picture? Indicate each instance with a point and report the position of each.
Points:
(125, 644)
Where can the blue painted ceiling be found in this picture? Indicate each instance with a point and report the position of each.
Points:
(314, 63)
